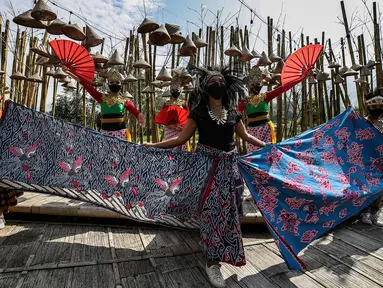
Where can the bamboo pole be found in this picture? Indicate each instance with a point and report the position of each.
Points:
(4, 58)
(55, 83)
(270, 50)
(378, 48)
(221, 48)
(14, 66)
(279, 101)
(304, 117)
(84, 107)
(140, 130)
(213, 48)
(148, 133)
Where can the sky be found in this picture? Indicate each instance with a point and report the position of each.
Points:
(114, 18)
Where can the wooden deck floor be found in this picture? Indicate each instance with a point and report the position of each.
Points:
(68, 255)
(36, 203)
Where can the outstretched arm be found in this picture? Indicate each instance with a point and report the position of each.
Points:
(87, 86)
(270, 95)
(129, 105)
(241, 132)
(185, 135)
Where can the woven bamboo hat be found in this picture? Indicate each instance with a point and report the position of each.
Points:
(42, 12)
(25, 19)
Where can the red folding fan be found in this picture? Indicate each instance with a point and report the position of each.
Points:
(75, 57)
(172, 115)
(300, 63)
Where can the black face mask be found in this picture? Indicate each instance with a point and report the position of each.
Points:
(216, 90)
(375, 112)
(114, 88)
(175, 94)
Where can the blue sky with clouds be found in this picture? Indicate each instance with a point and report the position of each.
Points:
(117, 17)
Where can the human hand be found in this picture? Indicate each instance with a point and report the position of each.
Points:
(147, 144)
(141, 119)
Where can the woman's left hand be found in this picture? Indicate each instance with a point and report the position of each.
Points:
(141, 119)
(147, 144)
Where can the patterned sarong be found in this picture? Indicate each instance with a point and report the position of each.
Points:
(307, 185)
(264, 133)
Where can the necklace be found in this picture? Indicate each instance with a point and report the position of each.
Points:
(220, 120)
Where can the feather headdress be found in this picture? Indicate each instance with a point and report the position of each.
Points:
(234, 85)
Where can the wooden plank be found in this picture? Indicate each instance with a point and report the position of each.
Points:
(127, 243)
(336, 247)
(57, 245)
(256, 237)
(191, 277)
(9, 279)
(191, 238)
(46, 279)
(245, 276)
(148, 280)
(370, 266)
(295, 279)
(163, 242)
(5, 232)
(169, 264)
(98, 276)
(90, 243)
(342, 276)
(135, 268)
(21, 243)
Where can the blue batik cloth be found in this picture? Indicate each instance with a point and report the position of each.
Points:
(306, 185)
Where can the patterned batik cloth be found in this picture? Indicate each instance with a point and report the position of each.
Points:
(220, 209)
(307, 185)
(42, 154)
(171, 133)
(264, 133)
(117, 133)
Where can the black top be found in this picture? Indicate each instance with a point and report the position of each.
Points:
(210, 133)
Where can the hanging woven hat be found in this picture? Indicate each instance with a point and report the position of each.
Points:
(130, 78)
(127, 95)
(160, 36)
(274, 57)
(199, 43)
(59, 74)
(172, 28)
(361, 80)
(279, 67)
(35, 78)
(55, 28)
(99, 58)
(25, 19)
(256, 54)
(116, 59)
(147, 26)
(50, 72)
(356, 67)
(343, 70)
(71, 85)
(350, 72)
(141, 64)
(177, 38)
(264, 60)
(42, 60)
(92, 39)
(334, 65)
(164, 75)
(18, 76)
(371, 64)
(313, 81)
(365, 71)
(157, 84)
(148, 90)
(323, 76)
(233, 51)
(166, 83)
(41, 50)
(338, 79)
(42, 12)
(188, 48)
(246, 54)
(66, 79)
(73, 31)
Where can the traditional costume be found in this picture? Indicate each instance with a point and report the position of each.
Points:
(174, 112)
(113, 107)
(257, 108)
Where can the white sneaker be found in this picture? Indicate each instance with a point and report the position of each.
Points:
(215, 276)
(249, 198)
(365, 218)
(375, 219)
(2, 221)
